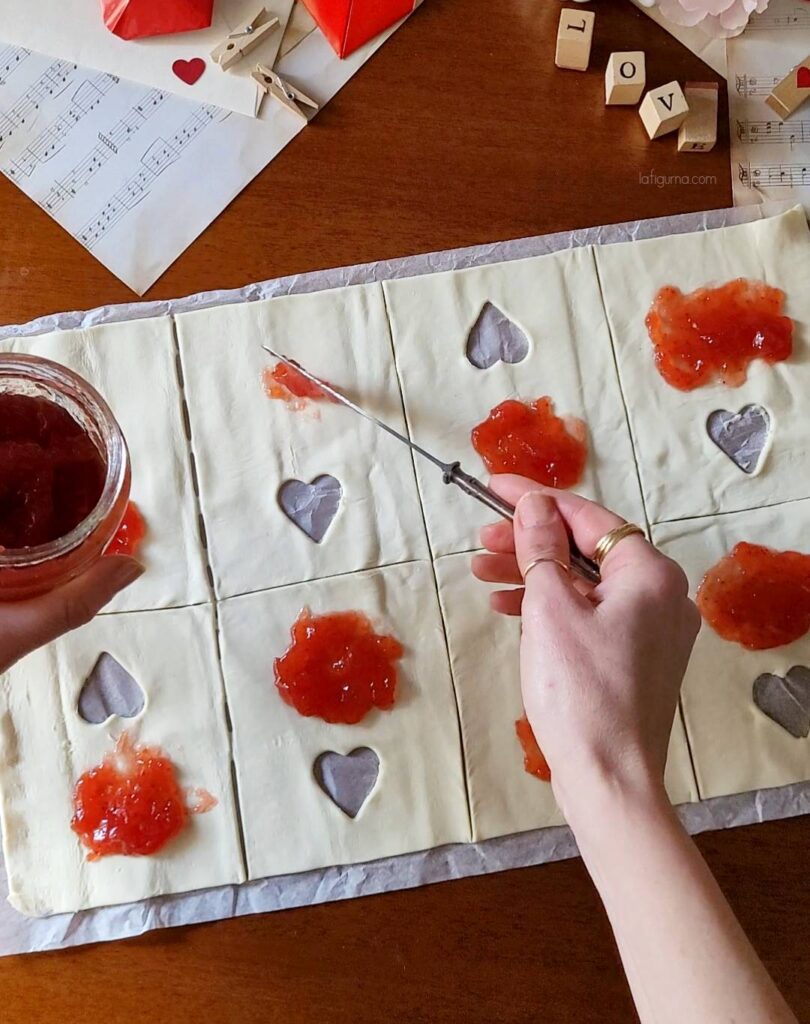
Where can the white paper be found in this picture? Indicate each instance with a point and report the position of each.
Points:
(770, 158)
(118, 165)
(710, 50)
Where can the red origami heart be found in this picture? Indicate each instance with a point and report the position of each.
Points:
(134, 19)
(347, 24)
(803, 77)
(189, 71)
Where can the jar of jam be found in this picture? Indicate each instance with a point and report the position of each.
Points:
(64, 476)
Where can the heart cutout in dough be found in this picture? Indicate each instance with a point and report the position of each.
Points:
(110, 690)
(495, 338)
(802, 77)
(742, 436)
(786, 700)
(189, 71)
(347, 779)
(312, 507)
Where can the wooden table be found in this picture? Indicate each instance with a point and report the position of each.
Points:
(459, 131)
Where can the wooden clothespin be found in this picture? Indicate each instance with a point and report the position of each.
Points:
(244, 38)
(287, 95)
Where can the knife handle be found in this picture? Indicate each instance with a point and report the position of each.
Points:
(454, 474)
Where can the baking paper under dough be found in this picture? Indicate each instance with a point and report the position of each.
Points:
(736, 747)
(247, 445)
(683, 472)
(132, 365)
(419, 800)
(45, 746)
(484, 655)
(555, 300)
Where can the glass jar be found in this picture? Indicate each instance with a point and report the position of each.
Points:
(27, 572)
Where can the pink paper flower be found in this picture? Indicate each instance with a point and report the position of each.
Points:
(722, 18)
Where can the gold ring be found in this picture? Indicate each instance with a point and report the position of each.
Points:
(607, 543)
(537, 561)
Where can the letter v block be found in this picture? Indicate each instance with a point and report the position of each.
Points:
(663, 110)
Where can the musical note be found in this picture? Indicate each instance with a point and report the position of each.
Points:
(774, 175)
(756, 85)
(797, 18)
(791, 132)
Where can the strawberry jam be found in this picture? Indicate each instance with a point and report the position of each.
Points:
(51, 473)
(757, 597)
(286, 383)
(528, 439)
(712, 334)
(533, 760)
(131, 803)
(130, 533)
(337, 668)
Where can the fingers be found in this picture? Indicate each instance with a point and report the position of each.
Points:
(499, 537)
(496, 569)
(32, 623)
(542, 548)
(507, 602)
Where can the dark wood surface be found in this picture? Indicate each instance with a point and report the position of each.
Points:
(459, 131)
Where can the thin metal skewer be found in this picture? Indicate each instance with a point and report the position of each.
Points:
(452, 473)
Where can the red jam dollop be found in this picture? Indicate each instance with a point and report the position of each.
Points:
(130, 534)
(337, 668)
(131, 803)
(714, 333)
(528, 439)
(286, 383)
(51, 473)
(533, 760)
(757, 597)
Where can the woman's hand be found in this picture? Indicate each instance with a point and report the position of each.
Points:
(26, 625)
(601, 667)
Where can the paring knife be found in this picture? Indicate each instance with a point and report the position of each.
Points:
(452, 473)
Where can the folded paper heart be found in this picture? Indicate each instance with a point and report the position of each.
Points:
(802, 77)
(312, 507)
(347, 24)
(110, 690)
(742, 436)
(786, 700)
(136, 19)
(347, 779)
(494, 338)
(189, 71)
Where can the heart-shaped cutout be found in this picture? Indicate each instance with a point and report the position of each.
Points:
(110, 690)
(312, 507)
(802, 77)
(189, 71)
(347, 779)
(742, 436)
(786, 701)
(495, 338)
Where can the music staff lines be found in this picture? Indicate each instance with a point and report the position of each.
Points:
(774, 175)
(160, 155)
(52, 82)
(50, 140)
(798, 19)
(791, 132)
(109, 145)
(11, 57)
(756, 85)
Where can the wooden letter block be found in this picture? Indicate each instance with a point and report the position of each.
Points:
(792, 91)
(663, 110)
(698, 133)
(625, 78)
(574, 37)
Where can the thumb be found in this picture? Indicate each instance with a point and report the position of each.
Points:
(540, 534)
(40, 620)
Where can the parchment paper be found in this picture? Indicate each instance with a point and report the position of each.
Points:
(19, 934)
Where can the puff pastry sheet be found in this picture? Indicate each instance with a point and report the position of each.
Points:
(736, 747)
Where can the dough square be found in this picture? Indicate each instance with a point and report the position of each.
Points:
(736, 747)
(247, 445)
(419, 799)
(45, 746)
(556, 301)
(133, 366)
(683, 473)
(484, 656)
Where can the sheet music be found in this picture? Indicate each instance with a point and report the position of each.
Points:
(135, 173)
(770, 158)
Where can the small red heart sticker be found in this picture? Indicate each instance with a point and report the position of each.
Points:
(189, 71)
(803, 77)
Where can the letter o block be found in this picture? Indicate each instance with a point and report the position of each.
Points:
(625, 78)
